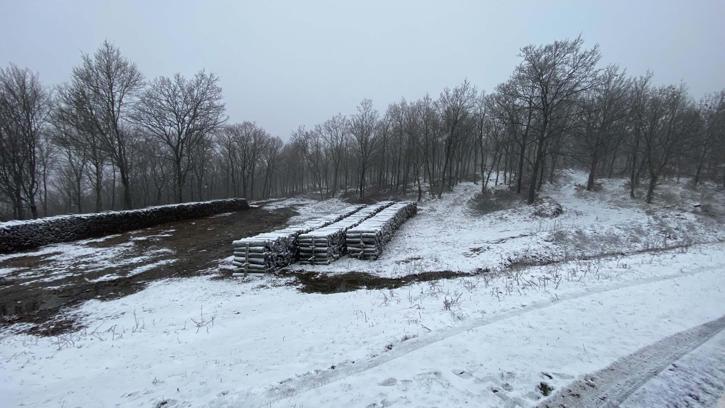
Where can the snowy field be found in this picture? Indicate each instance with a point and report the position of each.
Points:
(258, 342)
(539, 320)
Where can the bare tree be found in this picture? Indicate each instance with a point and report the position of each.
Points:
(77, 130)
(709, 145)
(553, 76)
(430, 128)
(637, 123)
(46, 159)
(671, 121)
(455, 106)
(72, 167)
(24, 106)
(335, 133)
(242, 146)
(166, 144)
(603, 110)
(181, 113)
(362, 127)
(513, 112)
(313, 151)
(270, 158)
(107, 84)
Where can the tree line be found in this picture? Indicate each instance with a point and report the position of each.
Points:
(110, 139)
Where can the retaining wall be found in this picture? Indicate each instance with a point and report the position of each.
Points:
(22, 235)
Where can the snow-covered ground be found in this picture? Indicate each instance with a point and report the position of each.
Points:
(696, 379)
(448, 235)
(490, 339)
(206, 342)
(60, 261)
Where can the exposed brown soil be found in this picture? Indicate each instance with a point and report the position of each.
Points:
(44, 281)
(313, 282)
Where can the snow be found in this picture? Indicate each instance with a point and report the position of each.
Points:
(147, 267)
(314, 215)
(447, 235)
(226, 214)
(503, 360)
(162, 234)
(44, 220)
(376, 223)
(254, 342)
(488, 339)
(60, 261)
(309, 207)
(695, 380)
(137, 270)
(6, 271)
(349, 221)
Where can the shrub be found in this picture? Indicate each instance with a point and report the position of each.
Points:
(495, 200)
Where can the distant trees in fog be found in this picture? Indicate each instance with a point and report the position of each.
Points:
(110, 139)
(24, 107)
(181, 113)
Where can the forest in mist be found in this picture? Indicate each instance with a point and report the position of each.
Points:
(109, 138)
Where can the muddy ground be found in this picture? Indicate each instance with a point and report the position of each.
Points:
(326, 283)
(35, 285)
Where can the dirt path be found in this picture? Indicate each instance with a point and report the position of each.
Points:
(35, 285)
(611, 386)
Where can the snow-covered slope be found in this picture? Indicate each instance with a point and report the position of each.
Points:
(489, 339)
(448, 235)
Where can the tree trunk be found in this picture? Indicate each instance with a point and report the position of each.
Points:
(362, 180)
(79, 196)
(18, 203)
(33, 206)
(45, 190)
(522, 158)
(179, 181)
(99, 186)
(420, 188)
(127, 202)
(592, 169)
(531, 197)
(446, 162)
(634, 175)
(651, 188)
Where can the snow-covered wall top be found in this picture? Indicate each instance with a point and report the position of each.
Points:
(28, 234)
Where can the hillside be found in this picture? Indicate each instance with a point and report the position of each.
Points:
(514, 308)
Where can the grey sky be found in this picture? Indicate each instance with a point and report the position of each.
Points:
(286, 63)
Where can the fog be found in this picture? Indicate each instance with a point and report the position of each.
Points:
(284, 63)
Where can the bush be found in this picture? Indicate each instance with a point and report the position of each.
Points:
(547, 208)
(495, 200)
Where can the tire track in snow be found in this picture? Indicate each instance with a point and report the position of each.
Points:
(305, 382)
(612, 385)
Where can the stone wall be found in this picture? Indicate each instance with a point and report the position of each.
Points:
(22, 235)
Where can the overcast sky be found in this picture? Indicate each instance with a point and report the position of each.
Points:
(286, 63)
